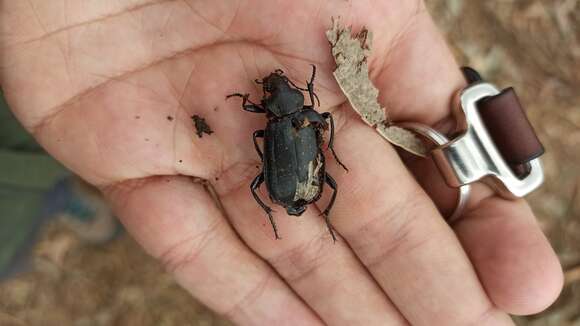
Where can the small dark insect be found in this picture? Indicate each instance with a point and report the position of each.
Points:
(293, 161)
(201, 126)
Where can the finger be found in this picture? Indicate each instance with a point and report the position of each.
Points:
(396, 231)
(423, 92)
(514, 260)
(176, 221)
(517, 266)
(428, 176)
(326, 275)
(419, 87)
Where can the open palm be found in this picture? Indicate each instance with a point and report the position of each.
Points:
(109, 88)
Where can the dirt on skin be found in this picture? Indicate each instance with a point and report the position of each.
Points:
(201, 126)
(533, 45)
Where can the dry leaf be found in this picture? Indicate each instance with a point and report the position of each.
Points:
(352, 75)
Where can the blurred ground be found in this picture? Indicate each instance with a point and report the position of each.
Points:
(88, 285)
(533, 45)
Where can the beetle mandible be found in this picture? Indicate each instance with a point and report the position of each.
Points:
(293, 166)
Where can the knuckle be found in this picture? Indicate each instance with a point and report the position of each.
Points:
(183, 253)
(249, 298)
(487, 316)
(303, 260)
(392, 230)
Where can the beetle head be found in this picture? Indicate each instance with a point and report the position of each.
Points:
(281, 98)
(295, 210)
(275, 82)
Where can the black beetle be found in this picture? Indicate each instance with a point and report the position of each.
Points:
(293, 161)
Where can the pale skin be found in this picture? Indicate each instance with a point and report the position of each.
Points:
(95, 82)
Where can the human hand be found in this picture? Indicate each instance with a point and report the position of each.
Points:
(108, 88)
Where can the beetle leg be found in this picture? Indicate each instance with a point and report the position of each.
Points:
(312, 94)
(261, 82)
(310, 87)
(327, 115)
(330, 181)
(252, 107)
(313, 74)
(255, 185)
(258, 134)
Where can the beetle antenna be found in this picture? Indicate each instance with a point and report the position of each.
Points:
(313, 74)
(298, 87)
(295, 86)
(310, 90)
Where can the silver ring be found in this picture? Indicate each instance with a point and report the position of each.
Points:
(439, 140)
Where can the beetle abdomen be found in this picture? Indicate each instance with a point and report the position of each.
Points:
(309, 189)
(293, 164)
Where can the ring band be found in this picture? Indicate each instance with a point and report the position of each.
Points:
(439, 139)
(496, 141)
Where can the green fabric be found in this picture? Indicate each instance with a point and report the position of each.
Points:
(26, 173)
(19, 222)
(30, 171)
(12, 135)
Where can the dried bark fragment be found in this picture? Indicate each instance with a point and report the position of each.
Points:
(352, 74)
(403, 138)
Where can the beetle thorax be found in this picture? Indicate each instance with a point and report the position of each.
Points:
(282, 98)
(284, 103)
